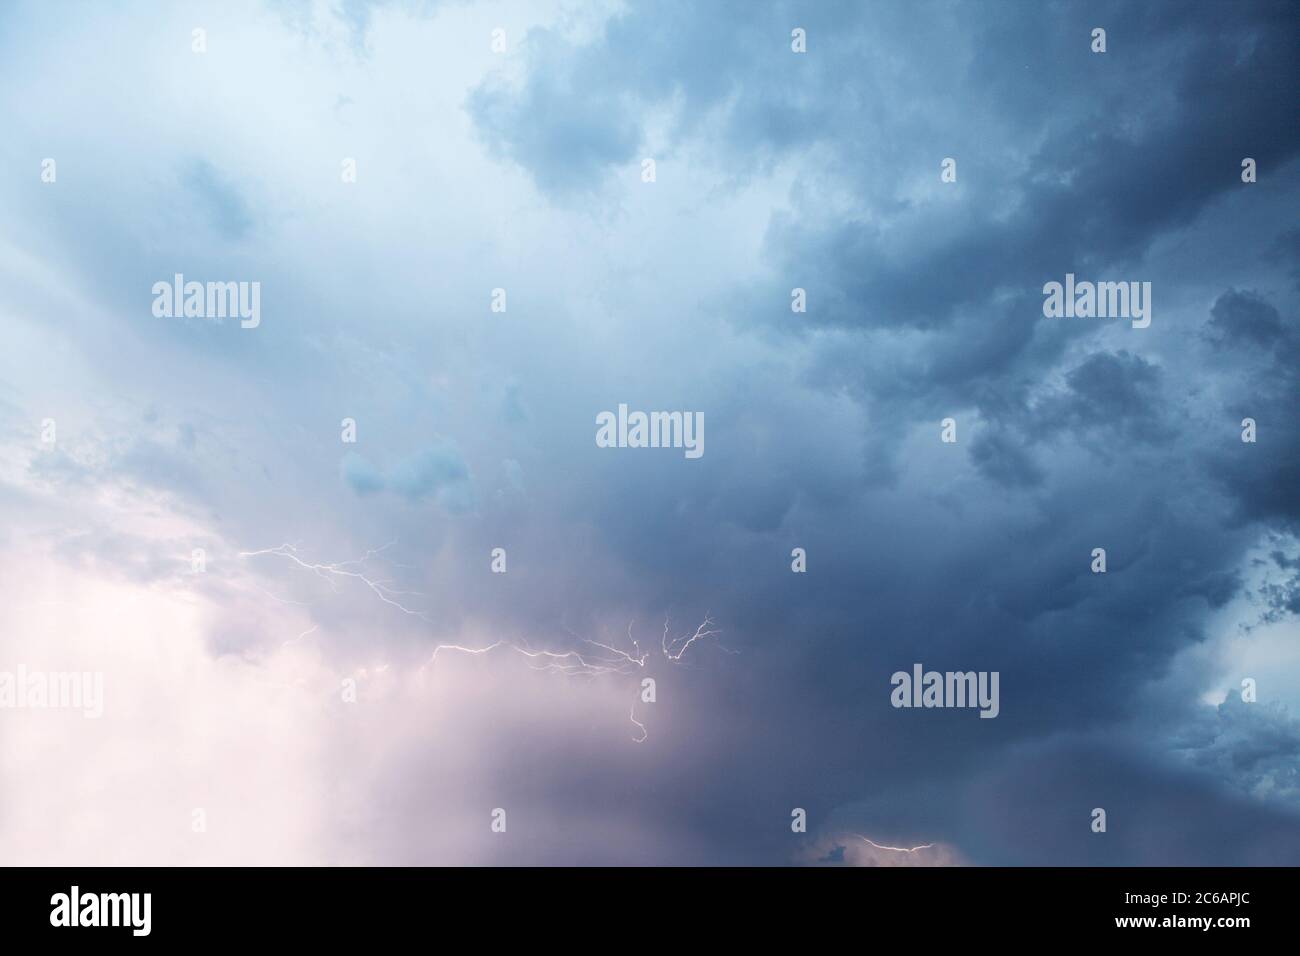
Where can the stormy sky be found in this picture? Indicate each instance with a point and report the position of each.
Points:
(345, 678)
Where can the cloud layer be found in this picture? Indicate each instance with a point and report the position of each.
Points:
(293, 695)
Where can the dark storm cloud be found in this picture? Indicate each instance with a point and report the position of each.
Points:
(1254, 748)
(978, 560)
(1263, 476)
(1117, 391)
(1034, 808)
(1100, 170)
(1108, 179)
(1004, 460)
(1244, 316)
(823, 428)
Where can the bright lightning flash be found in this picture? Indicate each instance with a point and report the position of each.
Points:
(345, 569)
(604, 660)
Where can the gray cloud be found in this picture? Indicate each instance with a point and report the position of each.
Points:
(776, 170)
(436, 472)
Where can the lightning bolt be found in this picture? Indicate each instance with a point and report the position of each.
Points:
(568, 662)
(345, 569)
(604, 660)
(896, 849)
(595, 659)
(631, 715)
(704, 630)
(277, 598)
(310, 630)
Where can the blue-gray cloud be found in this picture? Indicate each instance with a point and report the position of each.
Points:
(776, 170)
(438, 472)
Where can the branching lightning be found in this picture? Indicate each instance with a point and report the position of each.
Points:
(593, 659)
(606, 659)
(346, 569)
(671, 649)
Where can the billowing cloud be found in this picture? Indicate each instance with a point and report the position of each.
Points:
(264, 599)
